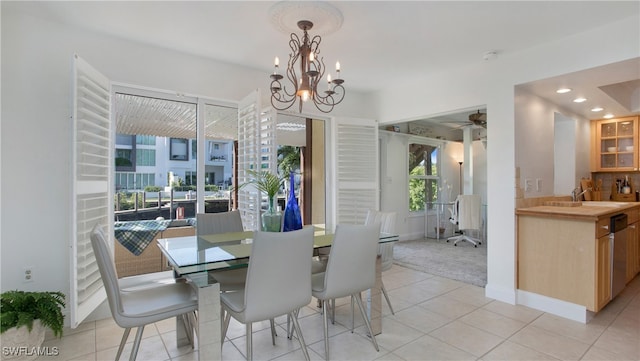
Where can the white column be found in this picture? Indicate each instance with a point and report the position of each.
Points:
(467, 174)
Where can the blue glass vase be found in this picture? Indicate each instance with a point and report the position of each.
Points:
(292, 217)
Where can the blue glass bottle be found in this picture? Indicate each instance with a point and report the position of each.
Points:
(292, 217)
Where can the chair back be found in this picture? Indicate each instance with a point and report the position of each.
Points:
(214, 223)
(387, 225)
(352, 262)
(387, 220)
(468, 211)
(107, 271)
(278, 278)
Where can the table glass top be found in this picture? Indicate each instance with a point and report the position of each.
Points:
(226, 250)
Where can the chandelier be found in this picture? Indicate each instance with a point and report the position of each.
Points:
(306, 85)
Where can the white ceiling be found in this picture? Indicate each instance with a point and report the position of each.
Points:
(379, 42)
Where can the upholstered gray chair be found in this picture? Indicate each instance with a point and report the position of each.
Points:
(223, 222)
(277, 283)
(141, 304)
(350, 270)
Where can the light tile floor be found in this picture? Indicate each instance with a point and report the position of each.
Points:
(436, 319)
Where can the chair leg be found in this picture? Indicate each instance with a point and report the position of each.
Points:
(352, 315)
(273, 331)
(386, 296)
(366, 321)
(333, 311)
(326, 329)
(125, 336)
(293, 314)
(296, 326)
(136, 343)
(249, 342)
(225, 326)
(188, 327)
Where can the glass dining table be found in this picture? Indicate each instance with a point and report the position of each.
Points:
(193, 257)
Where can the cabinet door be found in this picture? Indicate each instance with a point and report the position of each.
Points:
(633, 251)
(603, 272)
(616, 144)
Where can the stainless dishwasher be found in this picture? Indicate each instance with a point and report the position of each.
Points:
(618, 244)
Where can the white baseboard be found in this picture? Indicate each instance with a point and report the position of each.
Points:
(507, 295)
(554, 306)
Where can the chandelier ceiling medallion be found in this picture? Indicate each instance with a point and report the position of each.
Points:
(306, 77)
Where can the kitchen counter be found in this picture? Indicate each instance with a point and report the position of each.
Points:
(588, 211)
(563, 255)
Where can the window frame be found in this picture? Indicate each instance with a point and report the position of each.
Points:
(438, 178)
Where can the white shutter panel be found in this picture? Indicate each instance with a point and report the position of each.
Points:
(355, 159)
(268, 140)
(248, 154)
(92, 169)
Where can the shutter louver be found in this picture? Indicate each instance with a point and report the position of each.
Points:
(248, 151)
(356, 164)
(92, 168)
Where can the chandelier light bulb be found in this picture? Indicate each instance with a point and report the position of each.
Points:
(276, 62)
(311, 57)
(337, 66)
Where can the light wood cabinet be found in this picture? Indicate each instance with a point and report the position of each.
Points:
(603, 272)
(615, 144)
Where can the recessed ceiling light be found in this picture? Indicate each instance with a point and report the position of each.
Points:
(563, 90)
(579, 100)
(597, 109)
(608, 116)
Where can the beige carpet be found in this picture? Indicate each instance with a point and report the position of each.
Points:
(463, 262)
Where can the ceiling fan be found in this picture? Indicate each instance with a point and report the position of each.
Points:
(476, 119)
(479, 119)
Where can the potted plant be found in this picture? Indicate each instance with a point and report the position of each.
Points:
(25, 315)
(269, 183)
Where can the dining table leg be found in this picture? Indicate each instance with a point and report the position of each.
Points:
(209, 325)
(374, 300)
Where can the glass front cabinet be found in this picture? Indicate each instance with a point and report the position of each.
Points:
(615, 145)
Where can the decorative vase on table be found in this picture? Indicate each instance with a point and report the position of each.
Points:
(292, 217)
(271, 218)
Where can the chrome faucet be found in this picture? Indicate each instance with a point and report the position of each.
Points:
(576, 194)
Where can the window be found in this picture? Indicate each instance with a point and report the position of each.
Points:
(190, 178)
(178, 149)
(146, 139)
(424, 175)
(125, 160)
(194, 148)
(146, 157)
(134, 181)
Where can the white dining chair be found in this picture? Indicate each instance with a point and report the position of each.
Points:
(140, 303)
(216, 223)
(277, 283)
(387, 222)
(350, 270)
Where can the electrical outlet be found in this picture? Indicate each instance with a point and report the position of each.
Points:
(28, 274)
(538, 184)
(528, 184)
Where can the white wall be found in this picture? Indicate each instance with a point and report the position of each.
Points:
(492, 83)
(537, 151)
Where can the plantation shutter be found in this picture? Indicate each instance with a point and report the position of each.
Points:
(257, 150)
(248, 156)
(355, 160)
(92, 168)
